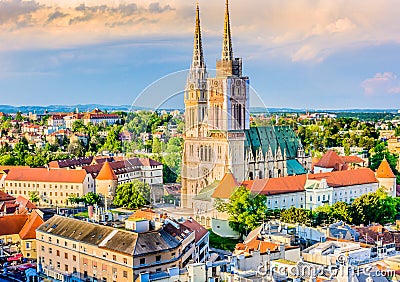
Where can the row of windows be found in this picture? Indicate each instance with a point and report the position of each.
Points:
(15, 192)
(35, 185)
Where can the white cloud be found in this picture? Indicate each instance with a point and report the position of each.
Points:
(381, 84)
(302, 30)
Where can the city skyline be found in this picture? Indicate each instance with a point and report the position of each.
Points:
(308, 54)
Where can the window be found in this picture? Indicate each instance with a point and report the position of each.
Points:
(66, 243)
(49, 239)
(74, 257)
(114, 257)
(319, 198)
(50, 262)
(125, 260)
(58, 264)
(42, 248)
(158, 258)
(58, 253)
(50, 250)
(74, 270)
(125, 274)
(173, 255)
(142, 261)
(66, 255)
(66, 267)
(74, 246)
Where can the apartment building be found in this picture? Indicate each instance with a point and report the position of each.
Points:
(53, 186)
(74, 250)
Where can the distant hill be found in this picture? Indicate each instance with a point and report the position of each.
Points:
(89, 107)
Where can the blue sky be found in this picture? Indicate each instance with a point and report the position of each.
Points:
(299, 54)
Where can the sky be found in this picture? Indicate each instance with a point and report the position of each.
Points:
(304, 54)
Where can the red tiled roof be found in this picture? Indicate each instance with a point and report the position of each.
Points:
(46, 175)
(199, 230)
(273, 186)
(331, 160)
(257, 244)
(146, 214)
(12, 224)
(149, 162)
(346, 177)
(25, 203)
(226, 187)
(28, 231)
(384, 170)
(106, 173)
(5, 197)
(352, 159)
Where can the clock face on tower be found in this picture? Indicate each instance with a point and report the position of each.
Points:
(192, 86)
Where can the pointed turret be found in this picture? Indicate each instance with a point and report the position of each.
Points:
(198, 72)
(227, 51)
(386, 178)
(198, 57)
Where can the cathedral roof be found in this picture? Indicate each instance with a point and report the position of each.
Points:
(294, 167)
(274, 137)
(384, 170)
(226, 187)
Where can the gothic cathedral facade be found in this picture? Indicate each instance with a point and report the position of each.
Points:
(217, 137)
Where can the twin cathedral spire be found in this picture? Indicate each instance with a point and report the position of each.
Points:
(198, 63)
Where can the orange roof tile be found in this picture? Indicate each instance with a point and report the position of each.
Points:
(12, 224)
(25, 203)
(5, 197)
(46, 175)
(331, 160)
(106, 173)
(384, 170)
(273, 186)
(352, 159)
(257, 244)
(346, 177)
(199, 230)
(146, 214)
(28, 231)
(226, 187)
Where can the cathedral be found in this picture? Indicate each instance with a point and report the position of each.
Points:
(218, 137)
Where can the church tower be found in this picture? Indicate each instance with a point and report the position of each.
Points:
(216, 117)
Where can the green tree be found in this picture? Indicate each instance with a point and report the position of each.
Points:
(132, 195)
(76, 148)
(376, 207)
(156, 147)
(296, 215)
(341, 211)
(33, 196)
(379, 153)
(91, 198)
(78, 126)
(73, 199)
(112, 142)
(246, 211)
